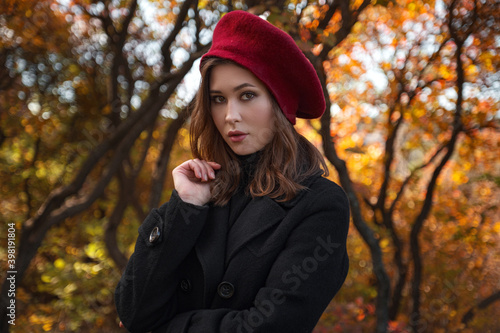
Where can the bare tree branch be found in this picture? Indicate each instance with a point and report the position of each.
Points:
(457, 128)
(469, 315)
(160, 171)
(36, 152)
(116, 217)
(165, 49)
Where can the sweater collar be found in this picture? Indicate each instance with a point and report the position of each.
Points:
(248, 164)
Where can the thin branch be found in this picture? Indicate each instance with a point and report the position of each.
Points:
(407, 180)
(457, 128)
(325, 21)
(343, 31)
(469, 315)
(137, 169)
(165, 49)
(389, 155)
(126, 22)
(116, 217)
(159, 174)
(36, 152)
(197, 21)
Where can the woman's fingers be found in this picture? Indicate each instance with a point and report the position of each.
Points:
(192, 178)
(203, 170)
(199, 169)
(214, 165)
(206, 170)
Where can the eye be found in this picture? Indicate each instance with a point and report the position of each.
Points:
(246, 96)
(217, 99)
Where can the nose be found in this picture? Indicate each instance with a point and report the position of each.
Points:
(233, 112)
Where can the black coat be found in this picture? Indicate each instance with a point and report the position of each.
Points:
(275, 270)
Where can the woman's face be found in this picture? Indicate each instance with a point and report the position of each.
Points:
(241, 108)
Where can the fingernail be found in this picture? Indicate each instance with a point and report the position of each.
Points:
(212, 174)
(205, 177)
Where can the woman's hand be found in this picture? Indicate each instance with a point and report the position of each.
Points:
(192, 180)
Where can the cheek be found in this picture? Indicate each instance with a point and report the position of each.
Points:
(267, 126)
(265, 136)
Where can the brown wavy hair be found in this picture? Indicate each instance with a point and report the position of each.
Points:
(283, 165)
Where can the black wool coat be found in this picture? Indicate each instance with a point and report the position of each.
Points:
(274, 270)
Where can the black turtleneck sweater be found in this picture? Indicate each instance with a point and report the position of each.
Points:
(241, 196)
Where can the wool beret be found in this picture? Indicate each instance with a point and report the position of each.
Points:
(273, 57)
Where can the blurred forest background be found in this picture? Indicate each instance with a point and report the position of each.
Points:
(94, 100)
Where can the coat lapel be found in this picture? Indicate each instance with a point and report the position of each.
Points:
(258, 216)
(211, 248)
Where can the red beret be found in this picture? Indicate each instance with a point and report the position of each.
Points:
(273, 57)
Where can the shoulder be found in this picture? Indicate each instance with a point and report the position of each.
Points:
(319, 191)
(325, 194)
(322, 209)
(321, 184)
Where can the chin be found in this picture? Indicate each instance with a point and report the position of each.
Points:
(242, 151)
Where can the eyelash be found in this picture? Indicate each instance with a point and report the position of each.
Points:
(214, 99)
(246, 96)
(252, 95)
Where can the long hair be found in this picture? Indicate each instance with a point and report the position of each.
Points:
(284, 163)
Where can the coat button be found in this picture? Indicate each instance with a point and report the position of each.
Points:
(185, 285)
(154, 235)
(225, 290)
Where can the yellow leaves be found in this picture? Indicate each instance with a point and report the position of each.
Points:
(444, 72)
(144, 135)
(41, 173)
(70, 288)
(45, 321)
(357, 28)
(74, 69)
(95, 251)
(488, 64)
(356, 3)
(203, 3)
(384, 243)
(29, 129)
(72, 250)
(46, 278)
(459, 177)
(59, 264)
(386, 66)
(419, 112)
(471, 70)
(156, 134)
(153, 154)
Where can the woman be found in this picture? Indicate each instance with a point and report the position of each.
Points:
(253, 237)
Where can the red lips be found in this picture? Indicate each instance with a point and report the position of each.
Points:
(236, 136)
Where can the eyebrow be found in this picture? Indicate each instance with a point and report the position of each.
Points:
(241, 86)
